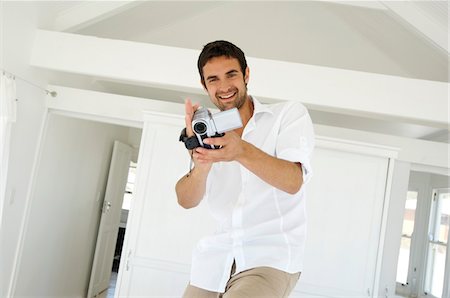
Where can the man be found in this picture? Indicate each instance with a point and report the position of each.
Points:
(253, 186)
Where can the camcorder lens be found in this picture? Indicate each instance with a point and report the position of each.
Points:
(200, 128)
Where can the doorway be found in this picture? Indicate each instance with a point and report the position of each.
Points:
(111, 230)
(126, 205)
(63, 218)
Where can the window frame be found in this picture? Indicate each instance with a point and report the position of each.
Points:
(417, 266)
(433, 229)
(401, 287)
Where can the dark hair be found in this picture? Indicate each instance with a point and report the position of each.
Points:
(220, 48)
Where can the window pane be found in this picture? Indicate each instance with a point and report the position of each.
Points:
(126, 204)
(443, 217)
(403, 261)
(407, 231)
(131, 180)
(410, 212)
(437, 245)
(436, 267)
(129, 189)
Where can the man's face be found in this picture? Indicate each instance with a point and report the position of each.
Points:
(225, 82)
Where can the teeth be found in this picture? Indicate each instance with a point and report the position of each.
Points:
(227, 96)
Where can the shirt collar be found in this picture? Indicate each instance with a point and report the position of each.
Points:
(259, 107)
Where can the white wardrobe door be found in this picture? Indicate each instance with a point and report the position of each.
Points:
(344, 207)
(161, 234)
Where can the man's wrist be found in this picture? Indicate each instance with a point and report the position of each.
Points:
(189, 142)
(245, 152)
(199, 173)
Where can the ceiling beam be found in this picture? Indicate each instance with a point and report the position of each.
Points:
(427, 22)
(88, 13)
(129, 111)
(322, 88)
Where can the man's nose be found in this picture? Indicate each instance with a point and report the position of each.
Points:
(224, 86)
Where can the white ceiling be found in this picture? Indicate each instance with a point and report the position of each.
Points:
(409, 40)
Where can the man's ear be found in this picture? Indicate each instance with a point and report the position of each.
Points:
(247, 75)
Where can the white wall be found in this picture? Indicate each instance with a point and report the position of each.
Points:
(439, 181)
(24, 140)
(134, 140)
(17, 23)
(65, 208)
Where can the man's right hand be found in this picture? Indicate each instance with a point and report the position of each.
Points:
(191, 188)
(189, 114)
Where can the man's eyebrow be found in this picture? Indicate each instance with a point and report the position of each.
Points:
(232, 71)
(227, 73)
(211, 77)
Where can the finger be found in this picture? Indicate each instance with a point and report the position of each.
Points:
(195, 106)
(201, 158)
(215, 141)
(195, 155)
(189, 111)
(211, 155)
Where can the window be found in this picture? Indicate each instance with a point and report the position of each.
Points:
(126, 204)
(437, 242)
(423, 264)
(407, 231)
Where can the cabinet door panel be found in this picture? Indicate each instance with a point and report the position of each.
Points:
(167, 230)
(344, 207)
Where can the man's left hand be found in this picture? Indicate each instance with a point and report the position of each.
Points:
(231, 148)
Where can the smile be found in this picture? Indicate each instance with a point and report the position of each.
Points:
(227, 96)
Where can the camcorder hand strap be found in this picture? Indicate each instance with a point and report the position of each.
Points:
(189, 142)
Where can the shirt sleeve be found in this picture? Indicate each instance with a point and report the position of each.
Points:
(295, 140)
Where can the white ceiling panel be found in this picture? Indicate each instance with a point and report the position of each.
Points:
(385, 37)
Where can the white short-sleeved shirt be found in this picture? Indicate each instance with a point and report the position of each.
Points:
(258, 224)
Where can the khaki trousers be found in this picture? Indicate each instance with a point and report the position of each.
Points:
(264, 282)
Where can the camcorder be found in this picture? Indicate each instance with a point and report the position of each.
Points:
(207, 125)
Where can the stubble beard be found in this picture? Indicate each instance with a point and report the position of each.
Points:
(237, 103)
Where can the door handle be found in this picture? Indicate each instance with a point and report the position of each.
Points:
(106, 206)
